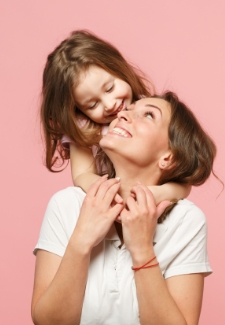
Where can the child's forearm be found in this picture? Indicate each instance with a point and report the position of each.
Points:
(83, 169)
(170, 191)
(85, 180)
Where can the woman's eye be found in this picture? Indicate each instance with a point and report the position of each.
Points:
(110, 89)
(149, 115)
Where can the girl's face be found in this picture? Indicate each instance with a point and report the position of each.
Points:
(101, 96)
(140, 133)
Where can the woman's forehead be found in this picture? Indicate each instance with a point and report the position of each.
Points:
(162, 105)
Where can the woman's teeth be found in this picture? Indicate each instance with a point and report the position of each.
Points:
(121, 132)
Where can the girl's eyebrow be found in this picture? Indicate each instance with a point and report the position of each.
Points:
(106, 82)
(154, 106)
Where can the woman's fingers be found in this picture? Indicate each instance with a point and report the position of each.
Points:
(102, 187)
(161, 208)
(149, 196)
(95, 186)
(105, 188)
(140, 195)
(109, 194)
(116, 210)
(118, 199)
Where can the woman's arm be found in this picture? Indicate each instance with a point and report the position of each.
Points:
(175, 301)
(59, 286)
(83, 168)
(60, 282)
(170, 191)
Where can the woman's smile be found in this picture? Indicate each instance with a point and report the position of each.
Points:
(121, 132)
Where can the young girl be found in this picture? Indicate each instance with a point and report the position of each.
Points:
(86, 82)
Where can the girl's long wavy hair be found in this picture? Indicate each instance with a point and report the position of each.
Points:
(59, 115)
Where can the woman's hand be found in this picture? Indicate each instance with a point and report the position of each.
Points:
(97, 213)
(139, 220)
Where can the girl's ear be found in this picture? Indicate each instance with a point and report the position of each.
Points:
(165, 162)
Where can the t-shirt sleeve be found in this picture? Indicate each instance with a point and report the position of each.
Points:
(60, 220)
(187, 248)
(66, 141)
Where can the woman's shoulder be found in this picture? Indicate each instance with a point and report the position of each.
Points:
(71, 195)
(186, 211)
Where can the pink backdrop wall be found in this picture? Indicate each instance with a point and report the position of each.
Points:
(180, 44)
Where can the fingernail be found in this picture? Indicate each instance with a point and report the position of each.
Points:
(117, 178)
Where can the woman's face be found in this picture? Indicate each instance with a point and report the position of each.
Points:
(140, 133)
(100, 95)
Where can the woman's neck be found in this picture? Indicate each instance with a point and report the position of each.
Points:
(128, 181)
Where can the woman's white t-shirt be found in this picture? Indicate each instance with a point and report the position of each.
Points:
(110, 295)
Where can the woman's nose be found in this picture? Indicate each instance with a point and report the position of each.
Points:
(124, 115)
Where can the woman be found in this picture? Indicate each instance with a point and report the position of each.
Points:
(83, 267)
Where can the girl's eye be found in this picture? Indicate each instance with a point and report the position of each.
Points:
(110, 89)
(93, 105)
(149, 115)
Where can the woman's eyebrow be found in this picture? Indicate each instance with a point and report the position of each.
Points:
(154, 106)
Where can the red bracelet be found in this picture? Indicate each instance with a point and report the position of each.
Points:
(145, 266)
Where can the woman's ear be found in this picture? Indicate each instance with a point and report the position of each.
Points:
(165, 162)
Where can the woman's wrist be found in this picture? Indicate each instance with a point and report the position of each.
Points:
(141, 257)
(80, 244)
(149, 264)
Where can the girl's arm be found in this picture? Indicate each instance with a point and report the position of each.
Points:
(83, 167)
(174, 301)
(60, 282)
(170, 191)
(84, 174)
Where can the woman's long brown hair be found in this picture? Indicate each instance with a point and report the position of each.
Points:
(192, 148)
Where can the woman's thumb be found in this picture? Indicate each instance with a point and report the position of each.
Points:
(161, 207)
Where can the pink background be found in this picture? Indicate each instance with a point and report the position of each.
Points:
(179, 44)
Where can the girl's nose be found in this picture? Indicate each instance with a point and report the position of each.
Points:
(110, 105)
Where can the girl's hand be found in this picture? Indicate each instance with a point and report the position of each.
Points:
(139, 220)
(97, 213)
